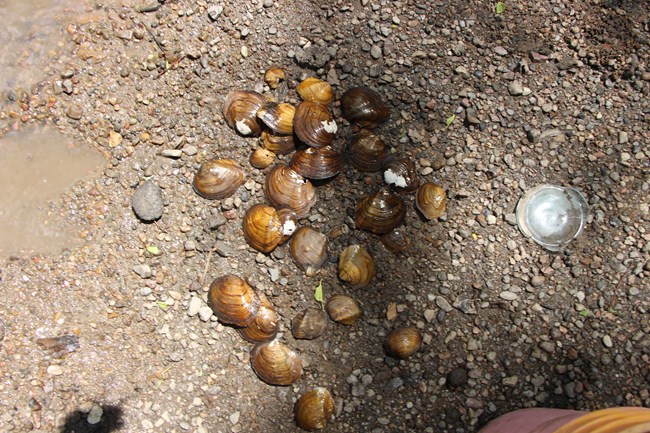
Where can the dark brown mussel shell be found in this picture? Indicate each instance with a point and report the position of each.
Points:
(261, 158)
(315, 90)
(309, 324)
(309, 249)
(380, 213)
(366, 151)
(218, 179)
(266, 324)
(264, 229)
(273, 76)
(275, 363)
(286, 188)
(278, 144)
(343, 309)
(403, 342)
(314, 124)
(400, 174)
(233, 301)
(240, 111)
(278, 117)
(431, 200)
(317, 163)
(314, 410)
(356, 266)
(396, 240)
(364, 106)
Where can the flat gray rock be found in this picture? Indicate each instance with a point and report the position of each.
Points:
(147, 202)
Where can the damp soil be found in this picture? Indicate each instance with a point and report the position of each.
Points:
(486, 105)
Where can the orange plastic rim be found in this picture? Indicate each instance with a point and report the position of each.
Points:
(614, 420)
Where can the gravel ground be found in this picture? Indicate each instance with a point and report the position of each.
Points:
(546, 92)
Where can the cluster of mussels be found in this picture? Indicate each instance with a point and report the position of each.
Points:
(290, 196)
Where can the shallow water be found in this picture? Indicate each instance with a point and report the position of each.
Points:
(33, 33)
(36, 167)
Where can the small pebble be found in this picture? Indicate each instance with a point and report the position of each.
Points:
(55, 370)
(205, 313)
(194, 307)
(508, 296)
(607, 341)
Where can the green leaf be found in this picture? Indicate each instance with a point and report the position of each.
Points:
(500, 7)
(318, 293)
(450, 120)
(585, 313)
(153, 250)
(162, 304)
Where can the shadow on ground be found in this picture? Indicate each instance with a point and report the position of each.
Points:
(77, 421)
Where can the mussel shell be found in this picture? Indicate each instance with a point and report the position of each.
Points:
(233, 301)
(218, 179)
(240, 111)
(403, 342)
(366, 151)
(273, 76)
(364, 106)
(263, 229)
(275, 363)
(278, 117)
(314, 124)
(314, 410)
(396, 240)
(317, 163)
(356, 267)
(431, 200)
(286, 188)
(315, 90)
(343, 309)
(309, 249)
(309, 324)
(400, 173)
(380, 213)
(261, 158)
(278, 144)
(266, 324)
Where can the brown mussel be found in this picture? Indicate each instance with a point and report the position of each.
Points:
(317, 163)
(396, 240)
(309, 249)
(431, 200)
(261, 158)
(309, 324)
(400, 174)
(275, 363)
(380, 213)
(364, 106)
(403, 342)
(233, 301)
(240, 111)
(313, 89)
(286, 188)
(366, 151)
(278, 117)
(273, 76)
(343, 309)
(314, 124)
(218, 179)
(356, 267)
(314, 410)
(266, 324)
(278, 144)
(265, 227)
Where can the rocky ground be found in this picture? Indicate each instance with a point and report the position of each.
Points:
(545, 92)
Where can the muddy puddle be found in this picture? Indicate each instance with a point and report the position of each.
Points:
(33, 35)
(36, 168)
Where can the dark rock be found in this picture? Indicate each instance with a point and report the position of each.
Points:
(147, 202)
(457, 377)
